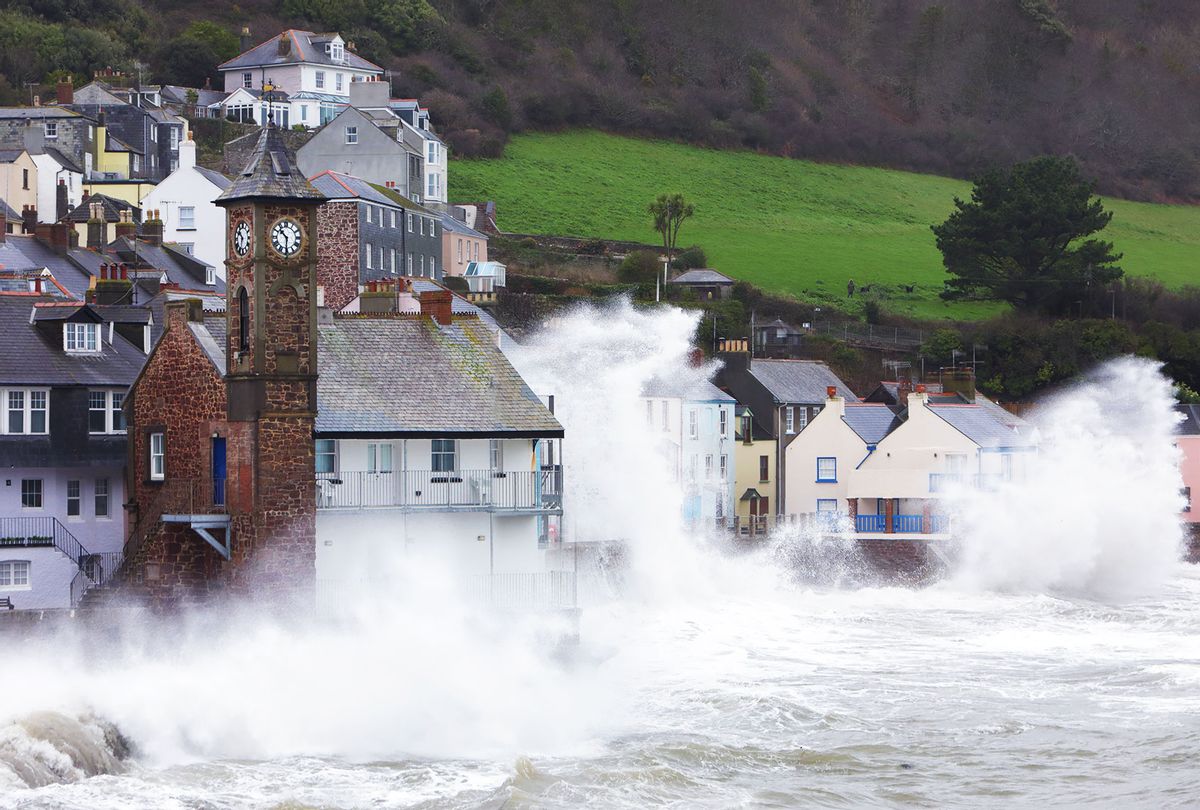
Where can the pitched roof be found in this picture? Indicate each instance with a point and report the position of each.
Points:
(450, 223)
(10, 213)
(216, 178)
(339, 186)
(34, 353)
(187, 271)
(113, 206)
(9, 155)
(271, 173)
(686, 388)
(26, 254)
(302, 47)
(447, 380)
(38, 113)
(701, 276)
(981, 425)
(870, 421)
(798, 380)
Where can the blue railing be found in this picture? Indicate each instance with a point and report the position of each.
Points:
(870, 523)
(940, 524)
(906, 524)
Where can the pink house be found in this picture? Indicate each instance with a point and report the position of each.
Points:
(1189, 443)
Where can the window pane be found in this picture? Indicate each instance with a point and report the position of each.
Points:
(97, 411)
(326, 456)
(101, 497)
(118, 415)
(385, 458)
(31, 493)
(37, 411)
(73, 499)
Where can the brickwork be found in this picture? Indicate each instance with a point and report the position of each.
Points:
(337, 252)
(901, 561)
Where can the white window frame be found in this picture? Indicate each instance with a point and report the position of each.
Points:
(174, 137)
(370, 214)
(431, 153)
(432, 267)
(50, 130)
(789, 419)
(724, 467)
(693, 423)
(110, 402)
(339, 82)
(369, 257)
(15, 575)
(438, 450)
(496, 454)
(393, 217)
(379, 458)
(802, 421)
(248, 80)
(666, 415)
(101, 493)
(320, 79)
(75, 498)
(187, 217)
(724, 420)
(158, 456)
(81, 337)
(827, 469)
(460, 241)
(351, 136)
(26, 409)
(410, 222)
(328, 449)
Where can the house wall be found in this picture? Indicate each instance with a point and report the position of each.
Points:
(825, 436)
(50, 576)
(76, 137)
(188, 187)
(376, 157)
(49, 173)
(1189, 467)
(459, 249)
(19, 185)
(338, 252)
(746, 473)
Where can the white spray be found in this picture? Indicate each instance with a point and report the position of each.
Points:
(1098, 512)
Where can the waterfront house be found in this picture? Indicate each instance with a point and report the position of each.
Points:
(1188, 441)
(63, 378)
(185, 202)
(692, 428)
(461, 245)
(754, 462)
(782, 395)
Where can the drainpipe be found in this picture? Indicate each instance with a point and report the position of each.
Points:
(870, 450)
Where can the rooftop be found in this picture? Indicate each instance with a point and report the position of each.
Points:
(798, 381)
(701, 275)
(870, 421)
(299, 47)
(271, 173)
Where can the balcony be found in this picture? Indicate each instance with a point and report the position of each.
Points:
(518, 492)
(940, 482)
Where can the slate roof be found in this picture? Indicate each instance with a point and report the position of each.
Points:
(701, 276)
(1190, 426)
(38, 113)
(10, 213)
(34, 353)
(63, 160)
(187, 271)
(458, 226)
(981, 425)
(176, 94)
(339, 186)
(403, 201)
(271, 173)
(870, 421)
(9, 155)
(801, 381)
(304, 49)
(216, 178)
(690, 390)
(408, 376)
(25, 254)
(113, 206)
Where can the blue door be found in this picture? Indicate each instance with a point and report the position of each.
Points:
(218, 471)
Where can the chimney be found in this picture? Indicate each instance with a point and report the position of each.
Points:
(60, 237)
(152, 228)
(180, 313)
(959, 381)
(368, 95)
(96, 227)
(244, 40)
(61, 202)
(378, 298)
(29, 219)
(126, 226)
(66, 93)
(42, 233)
(920, 388)
(113, 286)
(187, 153)
(438, 305)
(831, 392)
(904, 387)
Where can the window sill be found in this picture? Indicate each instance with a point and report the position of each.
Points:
(186, 230)
(15, 588)
(826, 481)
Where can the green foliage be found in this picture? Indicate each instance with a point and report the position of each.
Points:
(759, 98)
(1021, 238)
(639, 267)
(1187, 395)
(31, 49)
(690, 258)
(495, 107)
(1043, 14)
(668, 212)
(941, 345)
(405, 25)
(790, 226)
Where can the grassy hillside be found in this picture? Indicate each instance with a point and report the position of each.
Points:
(787, 225)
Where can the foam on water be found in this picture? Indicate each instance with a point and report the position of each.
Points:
(709, 680)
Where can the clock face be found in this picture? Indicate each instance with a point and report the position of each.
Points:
(286, 237)
(241, 239)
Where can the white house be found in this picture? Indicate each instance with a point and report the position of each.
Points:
(190, 217)
(310, 73)
(889, 468)
(693, 424)
(440, 449)
(54, 168)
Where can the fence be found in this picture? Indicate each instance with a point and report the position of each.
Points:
(520, 491)
(868, 334)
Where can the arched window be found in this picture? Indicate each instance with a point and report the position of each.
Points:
(243, 321)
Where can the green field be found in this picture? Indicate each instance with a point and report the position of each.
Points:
(789, 226)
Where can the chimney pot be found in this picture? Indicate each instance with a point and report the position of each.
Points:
(831, 391)
(920, 388)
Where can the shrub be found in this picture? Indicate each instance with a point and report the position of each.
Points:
(639, 267)
(690, 258)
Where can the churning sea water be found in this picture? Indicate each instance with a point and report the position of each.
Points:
(1056, 664)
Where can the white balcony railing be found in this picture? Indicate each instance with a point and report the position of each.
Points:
(462, 490)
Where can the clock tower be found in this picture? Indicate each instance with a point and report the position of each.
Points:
(271, 358)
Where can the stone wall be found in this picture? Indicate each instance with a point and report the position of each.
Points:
(909, 562)
(338, 252)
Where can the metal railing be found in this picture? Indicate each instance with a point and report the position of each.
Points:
(867, 334)
(907, 524)
(48, 532)
(176, 496)
(870, 523)
(518, 491)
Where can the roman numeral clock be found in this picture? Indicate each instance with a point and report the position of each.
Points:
(287, 237)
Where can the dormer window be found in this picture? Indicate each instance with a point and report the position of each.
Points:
(81, 337)
(210, 276)
(337, 52)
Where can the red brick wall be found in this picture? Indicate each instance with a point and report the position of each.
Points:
(337, 252)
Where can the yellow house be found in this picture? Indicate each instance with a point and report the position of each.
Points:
(18, 181)
(754, 473)
(130, 191)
